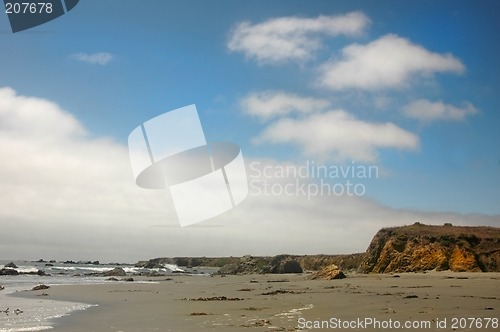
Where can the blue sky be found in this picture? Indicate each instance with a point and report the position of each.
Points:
(411, 87)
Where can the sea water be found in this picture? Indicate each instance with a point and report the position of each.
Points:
(38, 314)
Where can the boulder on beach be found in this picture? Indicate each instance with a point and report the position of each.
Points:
(11, 265)
(329, 272)
(116, 272)
(40, 287)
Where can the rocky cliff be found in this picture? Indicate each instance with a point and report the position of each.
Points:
(261, 264)
(422, 247)
(412, 248)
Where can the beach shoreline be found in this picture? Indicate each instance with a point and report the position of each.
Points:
(271, 302)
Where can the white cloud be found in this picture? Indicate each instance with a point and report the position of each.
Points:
(26, 117)
(102, 58)
(58, 184)
(292, 38)
(426, 111)
(388, 62)
(338, 135)
(269, 104)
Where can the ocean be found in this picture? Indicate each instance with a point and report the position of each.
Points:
(19, 314)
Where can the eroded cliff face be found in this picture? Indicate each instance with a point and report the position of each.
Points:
(422, 247)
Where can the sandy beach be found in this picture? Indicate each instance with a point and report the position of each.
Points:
(430, 301)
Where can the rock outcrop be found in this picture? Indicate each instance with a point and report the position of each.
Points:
(412, 248)
(10, 265)
(260, 264)
(287, 265)
(8, 272)
(329, 272)
(423, 247)
(229, 269)
(249, 264)
(14, 272)
(116, 272)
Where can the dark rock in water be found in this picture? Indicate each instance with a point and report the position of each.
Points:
(49, 264)
(112, 279)
(116, 272)
(41, 273)
(8, 272)
(155, 263)
(128, 279)
(95, 263)
(40, 287)
(84, 262)
(11, 265)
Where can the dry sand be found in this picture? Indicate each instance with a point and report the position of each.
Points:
(238, 302)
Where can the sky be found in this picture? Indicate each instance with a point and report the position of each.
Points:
(407, 89)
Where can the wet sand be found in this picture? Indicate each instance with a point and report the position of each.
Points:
(282, 302)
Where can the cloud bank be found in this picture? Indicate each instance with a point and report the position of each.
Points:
(386, 63)
(288, 39)
(339, 136)
(269, 104)
(427, 111)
